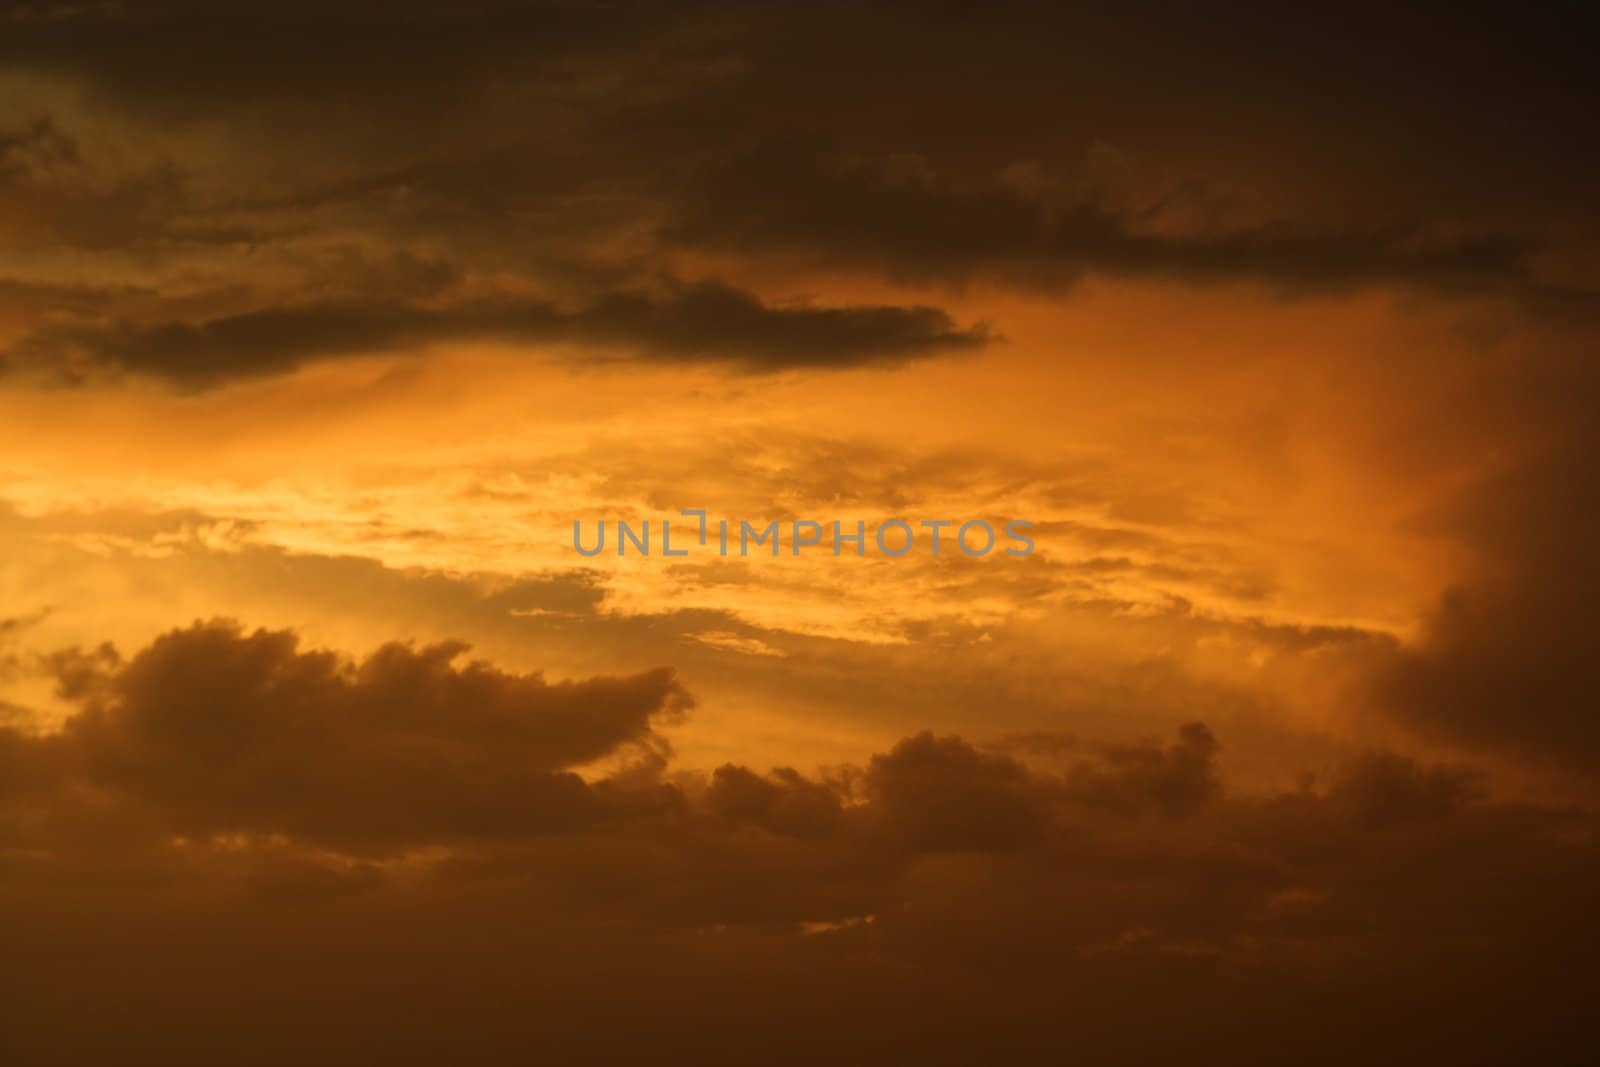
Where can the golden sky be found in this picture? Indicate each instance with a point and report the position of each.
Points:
(322, 324)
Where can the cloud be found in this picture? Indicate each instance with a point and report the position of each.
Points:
(56, 190)
(1381, 788)
(704, 321)
(592, 142)
(241, 54)
(940, 794)
(217, 731)
(1175, 781)
(783, 803)
(1504, 663)
(916, 224)
(376, 832)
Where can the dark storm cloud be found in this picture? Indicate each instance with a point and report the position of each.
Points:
(1506, 661)
(783, 803)
(20, 298)
(1176, 781)
(53, 195)
(219, 731)
(161, 52)
(311, 790)
(918, 225)
(942, 795)
(595, 140)
(704, 321)
(1381, 788)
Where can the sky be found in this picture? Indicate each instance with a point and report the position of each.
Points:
(323, 325)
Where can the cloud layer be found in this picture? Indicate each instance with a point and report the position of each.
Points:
(341, 802)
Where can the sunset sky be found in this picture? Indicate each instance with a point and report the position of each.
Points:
(322, 323)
